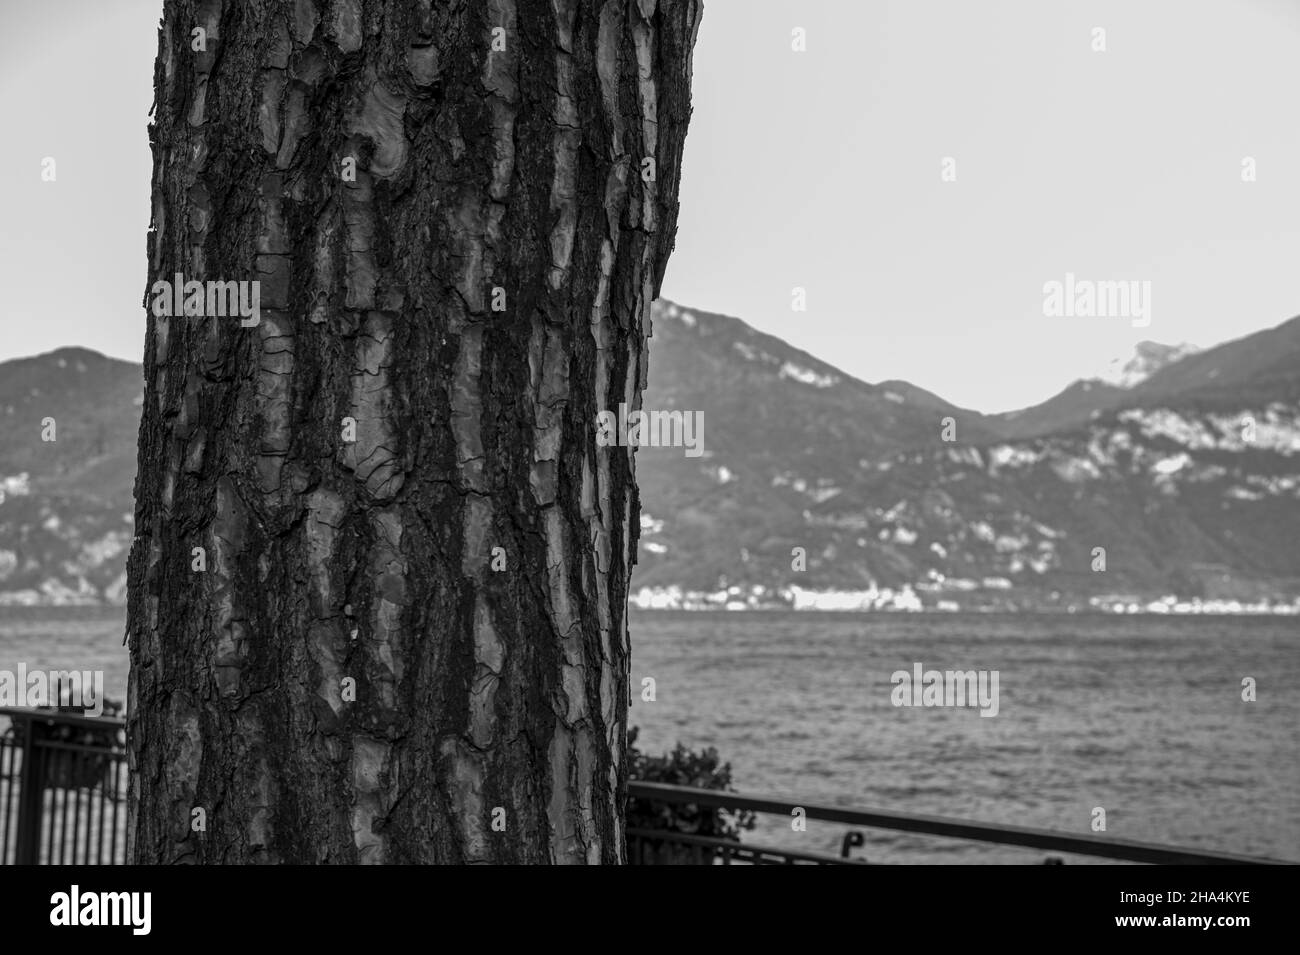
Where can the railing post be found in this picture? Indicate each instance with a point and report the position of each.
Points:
(31, 798)
(852, 840)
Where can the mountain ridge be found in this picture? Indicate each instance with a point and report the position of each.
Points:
(815, 489)
(902, 519)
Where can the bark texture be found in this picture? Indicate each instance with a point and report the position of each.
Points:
(498, 144)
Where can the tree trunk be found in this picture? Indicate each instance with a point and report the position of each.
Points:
(378, 590)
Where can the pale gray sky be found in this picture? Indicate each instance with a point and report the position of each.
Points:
(818, 169)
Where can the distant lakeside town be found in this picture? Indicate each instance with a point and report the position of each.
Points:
(907, 600)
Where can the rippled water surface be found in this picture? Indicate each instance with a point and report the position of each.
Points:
(1141, 716)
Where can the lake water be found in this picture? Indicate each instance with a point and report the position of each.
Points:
(1141, 716)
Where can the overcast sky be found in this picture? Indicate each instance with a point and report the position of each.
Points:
(819, 169)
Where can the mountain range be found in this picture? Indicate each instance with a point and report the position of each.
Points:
(1168, 483)
(1172, 486)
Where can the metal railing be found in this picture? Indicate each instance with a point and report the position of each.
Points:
(659, 846)
(63, 801)
(62, 789)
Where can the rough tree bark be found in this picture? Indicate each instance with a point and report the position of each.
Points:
(459, 212)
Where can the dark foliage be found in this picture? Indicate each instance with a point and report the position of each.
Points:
(683, 767)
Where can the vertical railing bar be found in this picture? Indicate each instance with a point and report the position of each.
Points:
(30, 806)
(63, 820)
(49, 799)
(61, 794)
(83, 809)
(6, 777)
(87, 854)
(99, 838)
(50, 820)
(81, 836)
(76, 818)
(10, 813)
(47, 802)
(56, 794)
(90, 826)
(117, 766)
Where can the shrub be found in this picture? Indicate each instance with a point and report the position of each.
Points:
(683, 767)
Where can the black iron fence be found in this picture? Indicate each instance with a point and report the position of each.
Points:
(62, 789)
(664, 847)
(63, 801)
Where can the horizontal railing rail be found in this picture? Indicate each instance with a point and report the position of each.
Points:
(54, 718)
(645, 845)
(1086, 845)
